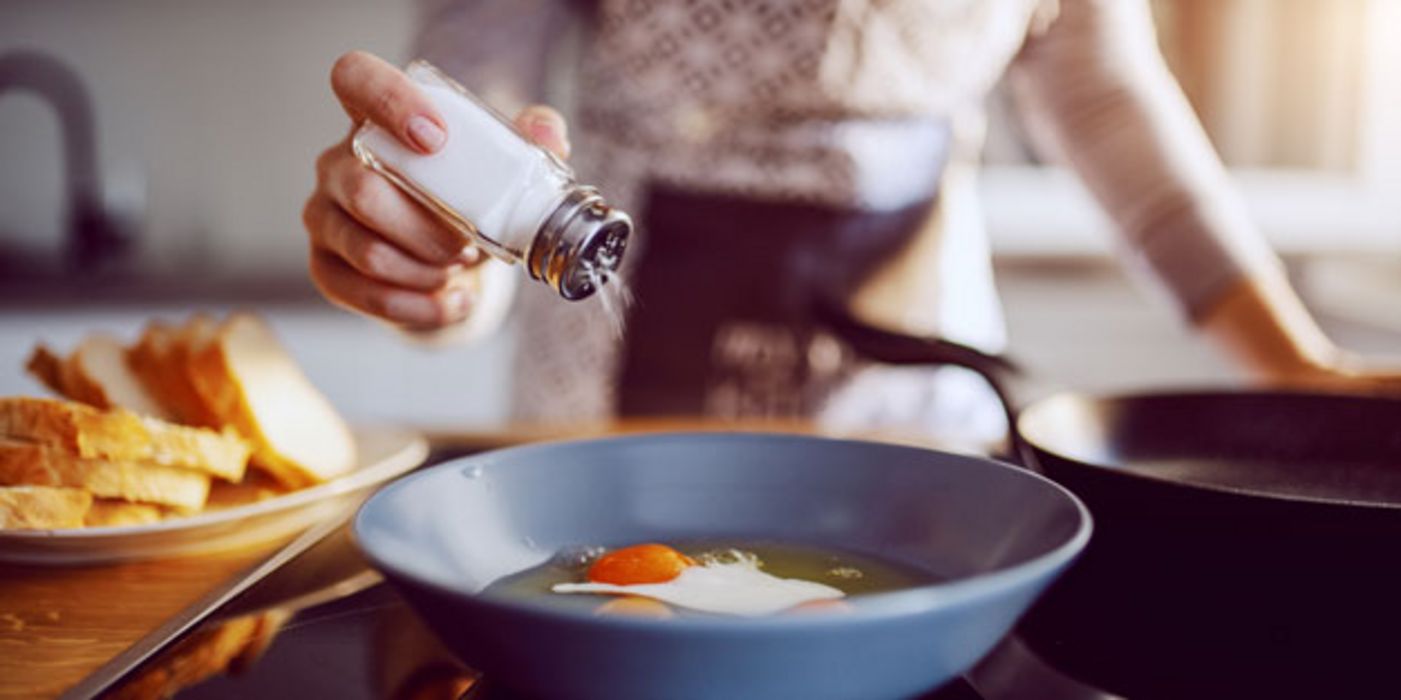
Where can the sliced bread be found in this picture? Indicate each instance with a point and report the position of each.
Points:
(257, 486)
(248, 379)
(160, 359)
(25, 463)
(47, 366)
(42, 507)
(88, 433)
(106, 512)
(98, 374)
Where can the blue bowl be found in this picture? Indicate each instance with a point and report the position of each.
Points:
(996, 535)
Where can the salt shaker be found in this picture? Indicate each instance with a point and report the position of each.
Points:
(516, 200)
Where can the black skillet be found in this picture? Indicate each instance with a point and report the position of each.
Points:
(1248, 543)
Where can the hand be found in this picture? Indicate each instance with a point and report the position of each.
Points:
(1266, 327)
(373, 249)
(1352, 373)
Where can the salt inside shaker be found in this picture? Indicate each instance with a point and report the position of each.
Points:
(516, 200)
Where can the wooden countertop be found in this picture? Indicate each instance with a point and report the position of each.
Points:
(58, 624)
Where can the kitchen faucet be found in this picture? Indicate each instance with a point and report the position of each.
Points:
(93, 235)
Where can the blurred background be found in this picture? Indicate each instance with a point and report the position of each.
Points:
(182, 134)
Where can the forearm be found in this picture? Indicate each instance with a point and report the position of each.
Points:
(1100, 93)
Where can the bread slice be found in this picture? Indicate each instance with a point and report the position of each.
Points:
(223, 454)
(47, 366)
(106, 512)
(255, 487)
(25, 463)
(160, 359)
(98, 374)
(42, 507)
(88, 433)
(156, 363)
(252, 384)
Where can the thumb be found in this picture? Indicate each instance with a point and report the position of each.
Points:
(545, 127)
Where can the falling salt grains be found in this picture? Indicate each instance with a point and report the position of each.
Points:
(613, 295)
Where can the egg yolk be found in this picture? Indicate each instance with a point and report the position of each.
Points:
(643, 563)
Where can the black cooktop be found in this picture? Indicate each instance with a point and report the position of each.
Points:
(370, 646)
(352, 638)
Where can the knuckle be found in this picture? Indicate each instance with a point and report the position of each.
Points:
(439, 253)
(310, 214)
(377, 259)
(325, 162)
(364, 194)
(375, 303)
(389, 104)
(317, 270)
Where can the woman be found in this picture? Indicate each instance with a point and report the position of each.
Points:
(781, 155)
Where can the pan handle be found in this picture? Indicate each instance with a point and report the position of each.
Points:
(1005, 377)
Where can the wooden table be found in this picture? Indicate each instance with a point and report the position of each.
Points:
(60, 624)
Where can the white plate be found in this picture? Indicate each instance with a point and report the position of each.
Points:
(384, 453)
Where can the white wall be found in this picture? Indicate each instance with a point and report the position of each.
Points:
(212, 113)
(215, 110)
(370, 373)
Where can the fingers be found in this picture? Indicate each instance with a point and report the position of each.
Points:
(378, 205)
(545, 127)
(369, 254)
(345, 286)
(370, 88)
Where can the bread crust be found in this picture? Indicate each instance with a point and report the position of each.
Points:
(89, 433)
(160, 359)
(46, 366)
(34, 464)
(99, 373)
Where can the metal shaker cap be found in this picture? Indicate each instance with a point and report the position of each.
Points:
(580, 246)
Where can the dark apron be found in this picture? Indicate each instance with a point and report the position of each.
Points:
(725, 290)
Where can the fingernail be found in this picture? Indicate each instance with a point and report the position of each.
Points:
(457, 300)
(428, 135)
(469, 255)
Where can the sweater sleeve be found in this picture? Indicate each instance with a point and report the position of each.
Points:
(1095, 86)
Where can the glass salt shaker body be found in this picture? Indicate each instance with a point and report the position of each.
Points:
(514, 199)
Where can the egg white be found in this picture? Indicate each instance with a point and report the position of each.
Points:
(726, 588)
